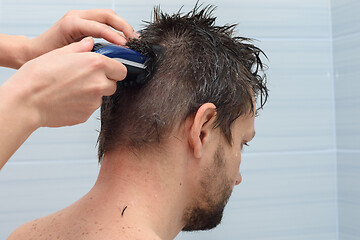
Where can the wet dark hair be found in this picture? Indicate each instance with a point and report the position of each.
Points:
(195, 62)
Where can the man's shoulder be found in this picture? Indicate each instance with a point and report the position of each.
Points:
(25, 231)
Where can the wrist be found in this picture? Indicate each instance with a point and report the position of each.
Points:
(21, 51)
(15, 50)
(26, 49)
(17, 121)
(16, 105)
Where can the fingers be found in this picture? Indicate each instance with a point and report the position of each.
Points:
(110, 88)
(109, 17)
(85, 45)
(106, 17)
(82, 27)
(79, 24)
(114, 70)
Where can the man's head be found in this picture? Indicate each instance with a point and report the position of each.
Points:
(219, 168)
(204, 81)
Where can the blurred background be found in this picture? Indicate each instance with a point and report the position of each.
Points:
(301, 173)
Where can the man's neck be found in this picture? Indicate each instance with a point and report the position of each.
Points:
(137, 197)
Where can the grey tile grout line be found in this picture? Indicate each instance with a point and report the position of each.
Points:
(332, 78)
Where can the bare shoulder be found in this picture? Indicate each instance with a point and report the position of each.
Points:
(25, 231)
(37, 229)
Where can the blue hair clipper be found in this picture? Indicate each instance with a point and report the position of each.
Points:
(133, 61)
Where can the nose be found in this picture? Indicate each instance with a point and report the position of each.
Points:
(238, 179)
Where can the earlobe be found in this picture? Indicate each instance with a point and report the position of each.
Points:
(202, 128)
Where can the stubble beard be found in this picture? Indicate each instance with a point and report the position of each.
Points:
(207, 210)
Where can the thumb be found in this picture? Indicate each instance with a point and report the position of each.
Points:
(85, 45)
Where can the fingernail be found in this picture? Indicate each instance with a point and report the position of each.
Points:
(136, 35)
(87, 39)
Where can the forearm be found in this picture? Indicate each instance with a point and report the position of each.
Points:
(15, 51)
(16, 123)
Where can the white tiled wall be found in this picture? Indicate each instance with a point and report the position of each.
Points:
(345, 17)
(289, 172)
(33, 189)
(347, 72)
(346, 31)
(32, 17)
(298, 116)
(282, 196)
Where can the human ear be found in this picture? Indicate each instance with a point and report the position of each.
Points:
(202, 128)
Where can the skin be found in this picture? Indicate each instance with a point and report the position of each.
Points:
(72, 27)
(69, 89)
(158, 187)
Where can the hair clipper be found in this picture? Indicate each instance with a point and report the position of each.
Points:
(133, 61)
